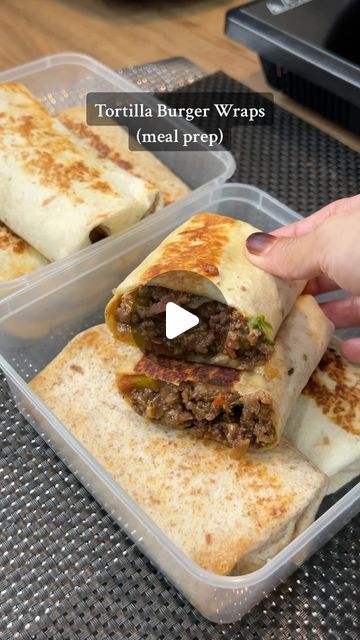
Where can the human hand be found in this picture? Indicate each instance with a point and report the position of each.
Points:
(324, 249)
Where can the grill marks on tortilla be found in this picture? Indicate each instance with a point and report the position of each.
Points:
(192, 248)
(115, 147)
(339, 396)
(81, 130)
(45, 150)
(17, 257)
(61, 174)
(84, 132)
(176, 371)
(9, 240)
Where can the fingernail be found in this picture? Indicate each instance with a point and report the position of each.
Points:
(259, 243)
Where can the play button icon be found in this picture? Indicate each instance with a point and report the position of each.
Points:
(179, 314)
(178, 320)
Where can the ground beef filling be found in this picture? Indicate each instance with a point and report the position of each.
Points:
(220, 328)
(208, 411)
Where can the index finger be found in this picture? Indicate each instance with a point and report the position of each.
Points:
(320, 284)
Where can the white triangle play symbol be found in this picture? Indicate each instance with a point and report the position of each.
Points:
(178, 320)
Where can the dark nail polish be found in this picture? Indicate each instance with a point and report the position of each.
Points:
(260, 243)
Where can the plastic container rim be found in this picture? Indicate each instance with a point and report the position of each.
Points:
(211, 579)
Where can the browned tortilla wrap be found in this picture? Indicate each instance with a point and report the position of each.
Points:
(212, 246)
(325, 423)
(56, 194)
(17, 258)
(227, 515)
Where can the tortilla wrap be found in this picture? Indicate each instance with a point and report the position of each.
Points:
(207, 250)
(325, 424)
(237, 408)
(113, 143)
(57, 195)
(220, 511)
(17, 258)
(342, 478)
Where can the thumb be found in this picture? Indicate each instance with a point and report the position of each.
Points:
(295, 258)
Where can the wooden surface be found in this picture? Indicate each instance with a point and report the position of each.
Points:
(133, 32)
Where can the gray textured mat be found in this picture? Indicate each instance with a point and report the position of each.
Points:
(67, 572)
(292, 160)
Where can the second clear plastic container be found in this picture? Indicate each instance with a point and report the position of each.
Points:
(38, 322)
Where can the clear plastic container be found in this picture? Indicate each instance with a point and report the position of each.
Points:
(63, 80)
(36, 323)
